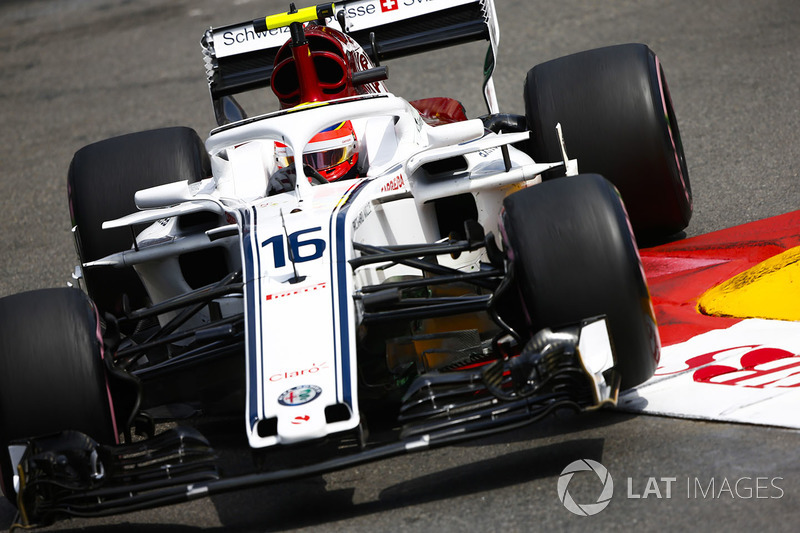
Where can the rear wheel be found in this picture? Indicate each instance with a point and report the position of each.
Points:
(103, 178)
(52, 376)
(574, 258)
(617, 117)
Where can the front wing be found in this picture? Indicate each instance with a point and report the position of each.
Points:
(69, 474)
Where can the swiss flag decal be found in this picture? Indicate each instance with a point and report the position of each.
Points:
(389, 5)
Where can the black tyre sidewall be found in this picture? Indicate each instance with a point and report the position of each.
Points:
(616, 113)
(574, 258)
(103, 178)
(52, 377)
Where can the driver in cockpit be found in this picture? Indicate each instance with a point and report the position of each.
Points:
(331, 155)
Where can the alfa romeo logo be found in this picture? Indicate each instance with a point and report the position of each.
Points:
(585, 509)
(299, 395)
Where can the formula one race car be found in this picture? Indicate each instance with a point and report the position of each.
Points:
(351, 277)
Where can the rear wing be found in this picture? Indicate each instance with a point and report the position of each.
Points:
(238, 58)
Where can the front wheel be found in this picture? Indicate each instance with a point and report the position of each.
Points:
(103, 178)
(616, 113)
(573, 258)
(52, 376)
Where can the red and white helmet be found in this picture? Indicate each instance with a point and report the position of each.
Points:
(331, 152)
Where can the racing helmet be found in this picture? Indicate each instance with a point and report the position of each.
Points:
(331, 152)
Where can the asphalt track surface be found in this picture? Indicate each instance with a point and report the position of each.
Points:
(77, 71)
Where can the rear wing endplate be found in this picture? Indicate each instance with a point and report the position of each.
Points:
(239, 59)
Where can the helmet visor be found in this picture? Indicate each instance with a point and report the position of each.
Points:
(318, 160)
(328, 158)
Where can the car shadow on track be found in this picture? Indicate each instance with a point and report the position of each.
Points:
(548, 447)
(272, 506)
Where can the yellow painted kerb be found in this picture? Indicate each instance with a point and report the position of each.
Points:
(769, 290)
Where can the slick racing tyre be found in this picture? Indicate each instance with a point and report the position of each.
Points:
(52, 376)
(103, 178)
(617, 118)
(574, 258)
